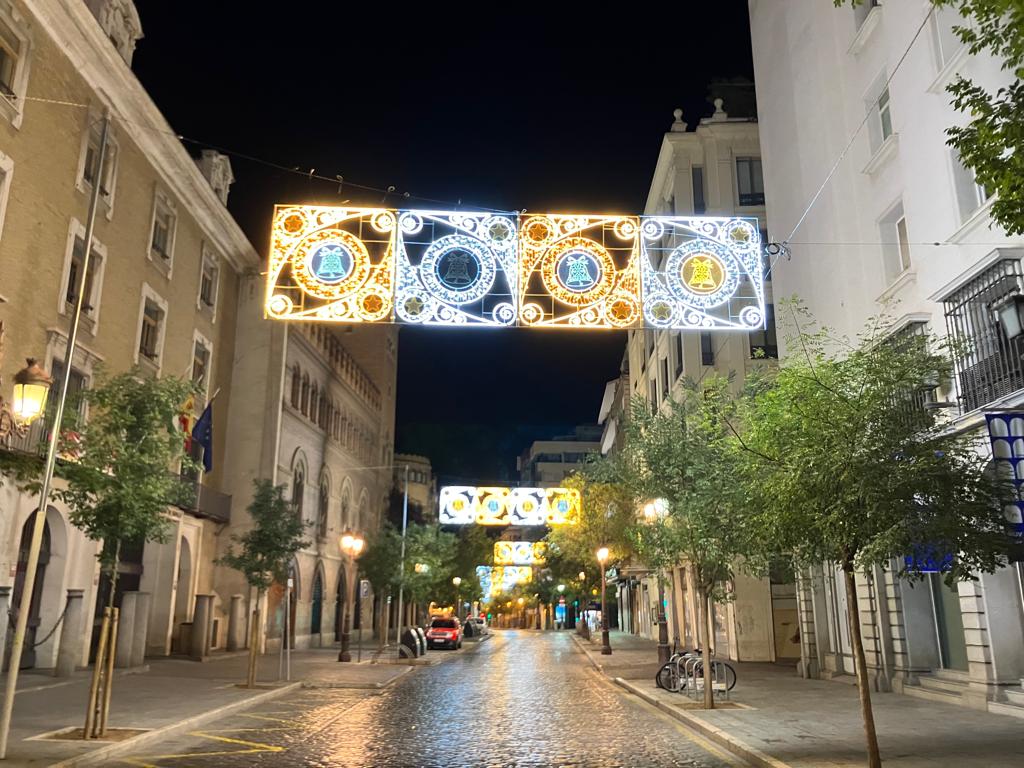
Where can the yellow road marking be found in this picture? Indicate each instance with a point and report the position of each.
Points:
(254, 747)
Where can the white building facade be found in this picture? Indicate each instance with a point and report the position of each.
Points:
(899, 228)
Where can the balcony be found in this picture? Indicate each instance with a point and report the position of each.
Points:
(203, 501)
(989, 366)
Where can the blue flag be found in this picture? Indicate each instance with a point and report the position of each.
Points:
(202, 433)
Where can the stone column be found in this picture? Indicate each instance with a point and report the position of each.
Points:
(201, 627)
(5, 606)
(236, 624)
(69, 652)
(139, 628)
(126, 630)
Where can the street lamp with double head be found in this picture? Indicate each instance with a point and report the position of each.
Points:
(351, 545)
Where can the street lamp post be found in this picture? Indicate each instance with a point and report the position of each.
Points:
(457, 581)
(351, 545)
(606, 647)
(36, 543)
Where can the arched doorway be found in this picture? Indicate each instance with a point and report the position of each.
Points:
(28, 651)
(317, 606)
(183, 597)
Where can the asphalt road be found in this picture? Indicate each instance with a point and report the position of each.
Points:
(519, 699)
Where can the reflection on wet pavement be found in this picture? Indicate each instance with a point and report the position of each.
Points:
(519, 699)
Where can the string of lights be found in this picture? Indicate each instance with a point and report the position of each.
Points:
(338, 180)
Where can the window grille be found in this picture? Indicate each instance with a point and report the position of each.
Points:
(988, 365)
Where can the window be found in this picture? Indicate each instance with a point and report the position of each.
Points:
(749, 181)
(988, 364)
(78, 282)
(296, 385)
(666, 385)
(76, 391)
(91, 171)
(652, 395)
(679, 354)
(298, 491)
(970, 195)
(649, 342)
(14, 54)
(321, 510)
(201, 362)
(209, 278)
(895, 243)
(697, 176)
(149, 339)
(884, 113)
(707, 350)
(10, 51)
(161, 246)
(764, 342)
(945, 42)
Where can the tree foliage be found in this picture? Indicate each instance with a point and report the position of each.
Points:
(265, 550)
(123, 480)
(846, 466)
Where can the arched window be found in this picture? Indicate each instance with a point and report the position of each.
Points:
(314, 404)
(304, 405)
(321, 509)
(346, 504)
(296, 386)
(298, 491)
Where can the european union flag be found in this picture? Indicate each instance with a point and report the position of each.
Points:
(202, 433)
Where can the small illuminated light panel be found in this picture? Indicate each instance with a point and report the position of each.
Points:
(423, 267)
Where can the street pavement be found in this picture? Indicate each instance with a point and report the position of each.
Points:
(521, 699)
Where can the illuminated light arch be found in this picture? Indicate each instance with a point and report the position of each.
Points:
(499, 506)
(364, 265)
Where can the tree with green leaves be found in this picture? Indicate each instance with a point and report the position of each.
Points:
(991, 142)
(847, 466)
(264, 551)
(682, 461)
(120, 482)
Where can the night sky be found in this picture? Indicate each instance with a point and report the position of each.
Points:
(506, 109)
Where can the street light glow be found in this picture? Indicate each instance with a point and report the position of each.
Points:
(31, 388)
(602, 555)
(457, 580)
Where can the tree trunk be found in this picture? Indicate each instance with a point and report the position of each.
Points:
(254, 641)
(853, 615)
(664, 650)
(705, 607)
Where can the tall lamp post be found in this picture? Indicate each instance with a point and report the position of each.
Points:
(655, 513)
(351, 545)
(606, 648)
(35, 545)
(457, 581)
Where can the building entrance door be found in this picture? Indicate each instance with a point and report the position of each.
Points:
(949, 624)
(28, 651)
(838, 622)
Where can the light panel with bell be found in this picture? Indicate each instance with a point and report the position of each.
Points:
(501, 506)
(455, 268)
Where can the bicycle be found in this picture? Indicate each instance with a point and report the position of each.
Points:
(672, 675)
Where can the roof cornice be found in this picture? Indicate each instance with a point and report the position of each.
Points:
(75, 31)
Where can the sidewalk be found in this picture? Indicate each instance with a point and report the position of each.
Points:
(173, 695)
(787, 722)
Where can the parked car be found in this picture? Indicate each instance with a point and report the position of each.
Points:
(444, 633)
(479, 623)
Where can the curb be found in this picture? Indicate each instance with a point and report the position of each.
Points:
(326, 684)
(593, 662)
(738, 747)
(102, 755)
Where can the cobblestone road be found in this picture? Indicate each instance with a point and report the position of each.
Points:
(519, 699)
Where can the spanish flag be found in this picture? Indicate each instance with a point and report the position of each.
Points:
(187, 420)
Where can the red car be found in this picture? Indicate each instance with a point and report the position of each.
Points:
(444, 633)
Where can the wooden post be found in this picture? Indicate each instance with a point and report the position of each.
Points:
(97, 672)
(108, 683)
(254, 635)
